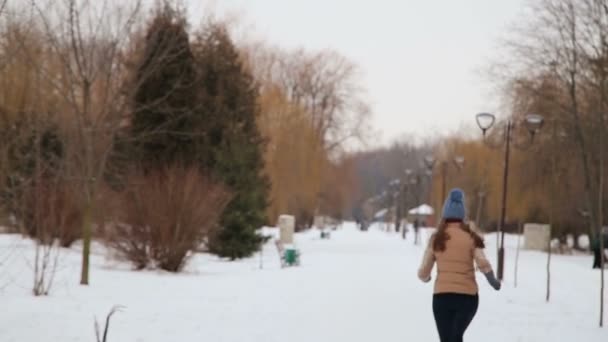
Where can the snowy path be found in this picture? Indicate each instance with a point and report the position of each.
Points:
(354, 287)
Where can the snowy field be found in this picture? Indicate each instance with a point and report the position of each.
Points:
(357, 286)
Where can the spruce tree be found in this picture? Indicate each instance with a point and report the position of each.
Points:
(31, 145)
(234, 144)
(165, 126)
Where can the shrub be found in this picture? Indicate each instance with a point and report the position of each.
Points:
(51, 216)
(164, 216)
(49, 210)
(31, 184)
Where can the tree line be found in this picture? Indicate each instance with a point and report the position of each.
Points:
(123, 124)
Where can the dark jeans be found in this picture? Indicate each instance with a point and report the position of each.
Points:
(453, 314)
(596, 258)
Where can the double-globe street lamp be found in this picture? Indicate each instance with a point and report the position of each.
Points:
(533, 123)
(399, 188)
(415, 187)
(403, 194)
(430, 163)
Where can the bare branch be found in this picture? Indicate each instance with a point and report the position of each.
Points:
(2, 6)
(115, 309)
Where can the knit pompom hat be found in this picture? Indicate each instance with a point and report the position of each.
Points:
(454, 206)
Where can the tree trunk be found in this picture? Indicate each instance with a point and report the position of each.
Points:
(517, 253)
(575, 244)
(86, 243)
(572, 84)
(602, 265)
(601, 223)
(89, 185)
(549, 265)
(553, 184)
(602, 131)
(551, 221)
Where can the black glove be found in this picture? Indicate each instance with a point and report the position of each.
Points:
(495, 283)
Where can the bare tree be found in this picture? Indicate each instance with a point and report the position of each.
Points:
(2, 6)
(553, 187)
(519, 232)
(87, 40)
(47, 250)
(325, 84)
(43, 198)
(596, 34)
(318, 98)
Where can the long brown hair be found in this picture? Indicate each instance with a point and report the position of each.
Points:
(442, 236)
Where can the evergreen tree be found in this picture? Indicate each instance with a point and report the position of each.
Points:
(229, 106)
(34, 154)
(166, 126)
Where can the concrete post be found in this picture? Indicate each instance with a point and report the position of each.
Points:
(286, 229)
(537, 236)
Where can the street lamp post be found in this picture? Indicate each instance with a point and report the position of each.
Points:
(393, 189)
(403, 191)
(430, 163)
(415, 181)
(459, 162)
(485, 121)
(480, 196)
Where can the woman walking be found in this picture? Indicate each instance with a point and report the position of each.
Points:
(455, 248)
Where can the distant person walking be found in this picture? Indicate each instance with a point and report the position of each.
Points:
(597, 252)
(416, 231)
(455, 248)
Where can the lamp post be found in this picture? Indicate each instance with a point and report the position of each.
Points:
(392, 191)
(480, 195)
(430, 163)
(403, 190)
(415, 181)
(459, 163)
(533, 123)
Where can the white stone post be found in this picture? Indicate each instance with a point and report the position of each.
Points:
(537, 236)
(286, 229)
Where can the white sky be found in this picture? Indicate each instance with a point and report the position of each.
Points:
(421, 59)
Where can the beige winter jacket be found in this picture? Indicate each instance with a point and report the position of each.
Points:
(455, 265)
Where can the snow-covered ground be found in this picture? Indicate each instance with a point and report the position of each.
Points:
(356, 286)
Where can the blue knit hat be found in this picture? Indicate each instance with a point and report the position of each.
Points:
(454, 205)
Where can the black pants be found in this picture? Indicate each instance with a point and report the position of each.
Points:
(453, 314)
(596, 258)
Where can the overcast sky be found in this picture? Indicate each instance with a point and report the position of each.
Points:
(421, 59)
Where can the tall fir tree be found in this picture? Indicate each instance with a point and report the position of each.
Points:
(234, 144)
(166, 125)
